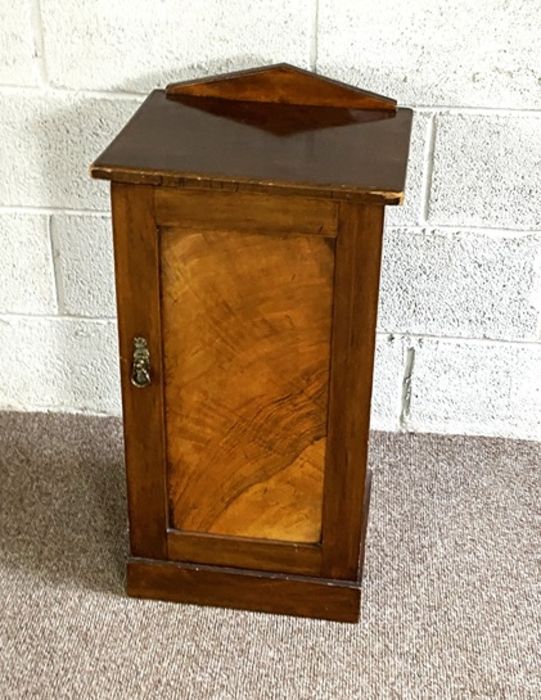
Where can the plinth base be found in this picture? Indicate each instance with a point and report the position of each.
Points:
(263, 591)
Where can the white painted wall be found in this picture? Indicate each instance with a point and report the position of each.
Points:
(459, 331)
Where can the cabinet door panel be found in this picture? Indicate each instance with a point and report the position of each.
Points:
(248, 448)
(246, 324)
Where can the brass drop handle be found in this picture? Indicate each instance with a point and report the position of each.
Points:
(140, 368)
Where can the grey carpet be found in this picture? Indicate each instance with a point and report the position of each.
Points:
(451, 605)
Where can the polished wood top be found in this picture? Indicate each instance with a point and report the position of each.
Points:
(202, 141)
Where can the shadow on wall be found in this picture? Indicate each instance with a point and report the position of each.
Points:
(68, 136)
(78, 360)
(159, 79)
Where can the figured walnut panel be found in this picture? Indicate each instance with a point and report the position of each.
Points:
(246, 337)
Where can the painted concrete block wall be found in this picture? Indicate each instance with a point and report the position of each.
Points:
(459, 342)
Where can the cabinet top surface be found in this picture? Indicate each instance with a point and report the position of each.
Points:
(180, 138)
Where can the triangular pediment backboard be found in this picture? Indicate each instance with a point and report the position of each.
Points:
(282, 84)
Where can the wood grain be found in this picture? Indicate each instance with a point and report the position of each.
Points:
(247, 590)
(247, 253)
(246, 336)
(285, 84)
(358, 257)
(245, 212)
(242, 552)
(293, 151)
(138, 302)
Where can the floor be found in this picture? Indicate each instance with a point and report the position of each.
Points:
(451, 606)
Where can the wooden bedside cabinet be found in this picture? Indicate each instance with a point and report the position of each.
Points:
(247, 218)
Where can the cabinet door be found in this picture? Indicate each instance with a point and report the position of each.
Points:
(233, 457)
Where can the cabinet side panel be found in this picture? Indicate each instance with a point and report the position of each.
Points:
(246, 333)
(358, 257)
(137, 289)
